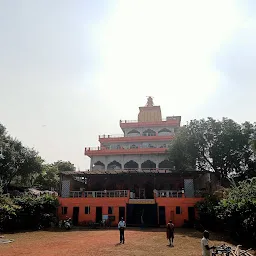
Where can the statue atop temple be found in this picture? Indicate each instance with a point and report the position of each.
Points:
(150, 102)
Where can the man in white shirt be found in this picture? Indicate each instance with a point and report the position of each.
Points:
(121, 227)
(205, 244)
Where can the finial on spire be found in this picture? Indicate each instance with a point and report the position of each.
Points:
(150, 102)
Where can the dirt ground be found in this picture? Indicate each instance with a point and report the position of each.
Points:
(105, 242)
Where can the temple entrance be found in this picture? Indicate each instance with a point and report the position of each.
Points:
(137, 212)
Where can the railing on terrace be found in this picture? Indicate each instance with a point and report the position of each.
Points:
(111, 136)
(123, 148)
(169, 193)
(136, 121)
(98, 194)
(160, 170)
(140, 135)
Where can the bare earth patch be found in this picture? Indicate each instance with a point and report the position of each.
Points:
(104, 242)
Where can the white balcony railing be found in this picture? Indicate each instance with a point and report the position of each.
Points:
(169, 193)
(98, 194)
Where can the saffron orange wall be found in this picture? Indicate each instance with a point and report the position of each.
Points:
(93, 203)
(170, 206)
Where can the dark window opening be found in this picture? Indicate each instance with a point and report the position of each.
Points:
(110, 210)
(178, 210)
(87, 210)
(64, 210)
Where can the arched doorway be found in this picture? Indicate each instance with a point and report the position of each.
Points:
(114, 165)
(166, 164)
(131, 165)
(148, 165)
(98, 166)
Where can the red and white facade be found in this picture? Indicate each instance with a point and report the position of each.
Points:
(142, 145)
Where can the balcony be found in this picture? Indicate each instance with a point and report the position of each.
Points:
(165, 122)
(122, 138)
(169, 193)
(99, 194)
(102, 151)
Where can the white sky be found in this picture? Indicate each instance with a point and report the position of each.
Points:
(80, 66)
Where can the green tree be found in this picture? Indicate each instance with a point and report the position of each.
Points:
(223, 147)
(19, 161)
(49, 178)
(64, 166)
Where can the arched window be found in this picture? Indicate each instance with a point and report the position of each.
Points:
(149, 132)
(133, 133)
(148, 165)
(164, 131)
(114, 165)
(166, 164)
(131, 165)
(98, 166)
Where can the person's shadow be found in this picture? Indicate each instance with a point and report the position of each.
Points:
(118, 244)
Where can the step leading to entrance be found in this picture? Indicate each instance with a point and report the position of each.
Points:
(142, 201)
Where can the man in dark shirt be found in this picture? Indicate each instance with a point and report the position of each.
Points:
(170, 232)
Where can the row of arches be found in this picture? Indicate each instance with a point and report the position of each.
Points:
(149, 132)
(115, 165)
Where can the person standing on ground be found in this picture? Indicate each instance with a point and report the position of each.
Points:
(205, 244)
(170, 232)
(121, 227)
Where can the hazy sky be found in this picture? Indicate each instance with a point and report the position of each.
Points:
(79, 66)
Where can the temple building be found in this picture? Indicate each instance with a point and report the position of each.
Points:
(130, 176)
(142, 145)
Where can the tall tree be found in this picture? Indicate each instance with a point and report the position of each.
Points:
(64, 166)
(223, 147)
(18, 161)
(48, 179)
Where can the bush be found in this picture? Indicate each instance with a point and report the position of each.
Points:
(8, 210)
(27, 212)
(207, 213)
(236, 212)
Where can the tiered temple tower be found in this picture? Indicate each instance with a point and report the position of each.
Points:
(142, 145)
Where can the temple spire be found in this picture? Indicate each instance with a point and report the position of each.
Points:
(150, 102)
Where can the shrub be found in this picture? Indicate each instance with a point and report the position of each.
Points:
(27, 212)
(236, 212)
